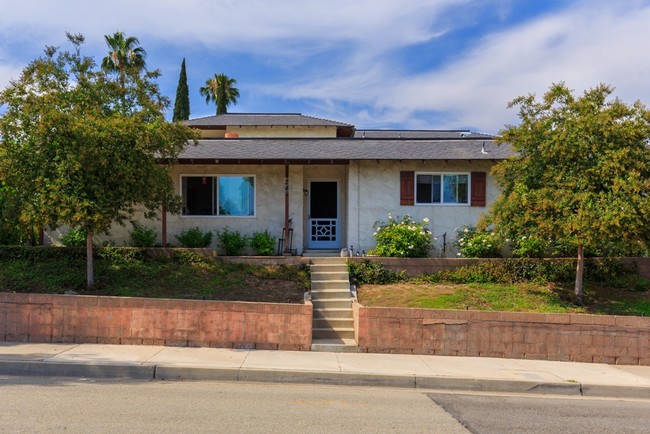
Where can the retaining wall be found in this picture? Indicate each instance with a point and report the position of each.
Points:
(565, 337)
(129, 320)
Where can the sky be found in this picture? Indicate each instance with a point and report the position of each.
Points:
(404, 64)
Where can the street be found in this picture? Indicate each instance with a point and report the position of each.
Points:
(30, 404)
(39, 404)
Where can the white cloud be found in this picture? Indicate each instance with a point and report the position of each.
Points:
(584, 46)
(338, 57)
(590, 43)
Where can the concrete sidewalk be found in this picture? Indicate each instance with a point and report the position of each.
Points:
(393, 370)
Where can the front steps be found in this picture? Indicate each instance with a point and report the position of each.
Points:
(333, 324)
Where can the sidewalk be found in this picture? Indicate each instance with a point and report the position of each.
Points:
(393, 370)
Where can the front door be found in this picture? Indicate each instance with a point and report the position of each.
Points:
(324, 215)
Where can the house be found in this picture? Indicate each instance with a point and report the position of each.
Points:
(327, 181)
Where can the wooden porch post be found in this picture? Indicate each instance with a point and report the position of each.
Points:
(287, 248)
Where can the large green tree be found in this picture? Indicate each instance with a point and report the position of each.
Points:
(85, 149)
(182, 102)
(124, 55)
(580, 174)
(220, 89)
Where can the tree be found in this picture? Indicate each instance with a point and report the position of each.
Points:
(124, 55)
(182, 103)
(83, 149)
(581, 172)
(221, 90)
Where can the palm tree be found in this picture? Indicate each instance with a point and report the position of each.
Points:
(220, 89)
(124, 53)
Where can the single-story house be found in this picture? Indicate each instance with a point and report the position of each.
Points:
(329, 182)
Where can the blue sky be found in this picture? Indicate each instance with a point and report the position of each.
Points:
(413, 64)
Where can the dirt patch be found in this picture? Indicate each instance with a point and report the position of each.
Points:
(252, 288)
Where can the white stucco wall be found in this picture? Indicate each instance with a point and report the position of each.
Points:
(374, 192)
(369, 191)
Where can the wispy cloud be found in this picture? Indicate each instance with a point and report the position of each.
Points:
(420, 64)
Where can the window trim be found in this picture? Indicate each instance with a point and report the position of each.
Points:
(218, 175)
(442, 189)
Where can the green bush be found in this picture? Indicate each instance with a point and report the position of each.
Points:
(472, 243)
(194, 238)
(507, 271)
(263, 243)
(232, 242)
(527, 246)
(74, 238)
(141, 236)
(404, 239)
(372, 272)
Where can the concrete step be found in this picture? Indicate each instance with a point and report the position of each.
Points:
(328, 268)
(328, 333)
(333, 313)
(327, 260)
(319, 285)
(332, 303)
(334, 275)
(333, 323)
(335, 345)
(327, 294)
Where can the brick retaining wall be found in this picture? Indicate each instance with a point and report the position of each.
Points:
(565, 337)
(124, 320)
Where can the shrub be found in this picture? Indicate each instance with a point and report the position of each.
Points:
(263, 243)
(541, 271)
(194, 238)
(141, 236)
(74, 238)
(473, 243)
(405, 239)
(372, 272)
(529, 247)
(232, 242)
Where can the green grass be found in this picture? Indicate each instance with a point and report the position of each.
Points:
(184, 276)
(521, 297)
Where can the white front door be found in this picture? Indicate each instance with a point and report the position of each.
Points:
(324, 215)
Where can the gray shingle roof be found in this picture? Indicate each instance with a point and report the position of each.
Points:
(262, 119)
(344, 149)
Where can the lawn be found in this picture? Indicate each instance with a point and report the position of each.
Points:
(135, 274)
(520, 297)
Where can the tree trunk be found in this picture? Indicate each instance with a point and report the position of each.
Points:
(579, 272)
(90, 275)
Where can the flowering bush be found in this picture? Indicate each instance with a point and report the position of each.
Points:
(405, 239)
(473, 243)
(529, 247)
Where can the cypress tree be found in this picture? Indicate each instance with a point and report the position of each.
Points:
(182, 103)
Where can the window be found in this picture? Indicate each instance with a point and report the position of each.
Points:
(442, 188)
(218, 195)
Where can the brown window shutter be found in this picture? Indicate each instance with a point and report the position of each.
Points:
(478, 188)
(407, 188)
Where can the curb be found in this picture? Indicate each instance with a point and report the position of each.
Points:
(148, 372)
(86, 370)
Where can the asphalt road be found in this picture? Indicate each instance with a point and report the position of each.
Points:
(488, 414)
(31, 404)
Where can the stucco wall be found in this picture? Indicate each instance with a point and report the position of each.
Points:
(369, 191)
(273, 131)
(374, 191)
